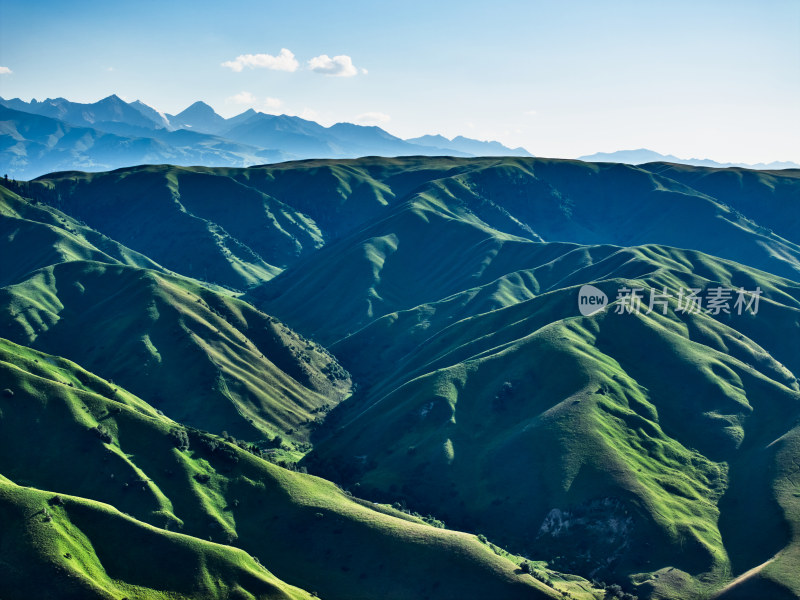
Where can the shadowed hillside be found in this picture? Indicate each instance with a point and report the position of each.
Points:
(34, 235)
(246, 225)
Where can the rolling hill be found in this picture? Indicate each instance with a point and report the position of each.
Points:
(35, 235)
(165, 336)
(202, 357)
(502, 400)
(154, 510)
(656, 449)
(284, 212)
(483, 393)
(444, 235)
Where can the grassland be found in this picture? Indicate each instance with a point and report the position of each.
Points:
(145, 513)
(409, 329)
(242, 227)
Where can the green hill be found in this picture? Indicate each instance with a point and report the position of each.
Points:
(421, 251)
(85, 549)
(138, 505)
(202, 357)
(183, 219)
(659, 445)
(769, 197)
(485, 397)
(34, 235)
(426, 352)
(241, 227)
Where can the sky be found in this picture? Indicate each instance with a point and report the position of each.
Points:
(696, 79)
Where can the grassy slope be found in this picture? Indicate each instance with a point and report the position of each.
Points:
(204, 358)
(430, 374)
(557, 200)
(304, 529)
(201, 226)
(91, 550)
(283, 212)
(418, 253)
(36, 235)
(687, 455)
(769, 197)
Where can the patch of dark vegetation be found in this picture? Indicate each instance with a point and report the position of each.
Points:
(344, 472)
(335, 372)
(493, 547)
(102, 434)
(503, 397)
(613, 591)
(429, 519)
(179, 438)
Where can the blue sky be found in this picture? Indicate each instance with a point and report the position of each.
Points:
(695, 79)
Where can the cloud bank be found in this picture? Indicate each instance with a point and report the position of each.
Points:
(338, 66)
(285, 61)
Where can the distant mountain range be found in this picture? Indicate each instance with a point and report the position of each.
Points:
(643, 155)
(58, 135)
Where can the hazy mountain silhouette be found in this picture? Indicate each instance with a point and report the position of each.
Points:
(643, 155)
(462, 146)
(195, 136)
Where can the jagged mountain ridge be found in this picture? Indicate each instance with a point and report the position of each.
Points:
(112, 133)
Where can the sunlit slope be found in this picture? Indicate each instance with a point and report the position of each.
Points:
(403, 343)
(305, 530)
(657, 448)
(36, 235)
(246, 225)
(203, 358)
(658, 451)
(84, 549)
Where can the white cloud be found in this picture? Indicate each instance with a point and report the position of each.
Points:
(285, 61)
(242, 98)
(272, 102)
(5, 71)
(338, 66)
(373, 118)
(530, 113)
